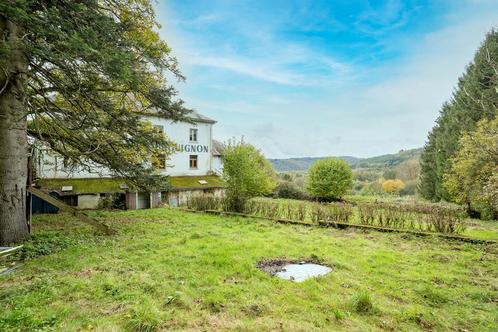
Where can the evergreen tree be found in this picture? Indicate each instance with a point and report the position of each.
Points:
(83, 73)
(475, 98)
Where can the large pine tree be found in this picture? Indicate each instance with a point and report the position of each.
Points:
(81, 73)
(475, 98)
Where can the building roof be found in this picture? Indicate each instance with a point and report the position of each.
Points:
(195, 182)
(196, 116)
(84, 186)
(193, 115)
(118, 185)
(218, 148)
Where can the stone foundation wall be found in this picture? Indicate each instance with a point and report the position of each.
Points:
(88, 201)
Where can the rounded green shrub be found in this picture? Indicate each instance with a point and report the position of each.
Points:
(287, 189)
(329, 179)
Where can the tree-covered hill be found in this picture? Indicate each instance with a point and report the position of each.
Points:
(383, 161)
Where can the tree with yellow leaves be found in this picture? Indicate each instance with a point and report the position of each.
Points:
(473, 176)
(392, 186)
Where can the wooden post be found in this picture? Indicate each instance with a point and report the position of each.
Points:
(64, 207)
(29, 181)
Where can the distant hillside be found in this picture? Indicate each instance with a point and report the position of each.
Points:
(383, 161)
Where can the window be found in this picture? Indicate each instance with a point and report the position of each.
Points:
(193, 161)
(193, 135)
(159, 161)
(65, 163)
(68, 164)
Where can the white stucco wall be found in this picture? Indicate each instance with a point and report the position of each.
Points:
(51, 165)
(88, 201)
(217, 165)
(179, 132)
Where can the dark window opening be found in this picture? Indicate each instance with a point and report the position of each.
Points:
(193, 135)
(68, 164)
(71, 200)
(193, 161)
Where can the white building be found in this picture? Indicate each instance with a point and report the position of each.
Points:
(192, 169)
(196, 154)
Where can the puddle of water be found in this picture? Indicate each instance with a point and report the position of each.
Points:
(301, 272)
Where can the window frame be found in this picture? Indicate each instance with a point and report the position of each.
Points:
(193, 134)
(193, 161)
(68, 164)
(65, 163)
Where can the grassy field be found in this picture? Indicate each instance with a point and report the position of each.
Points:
(173, 270)
(479, 229)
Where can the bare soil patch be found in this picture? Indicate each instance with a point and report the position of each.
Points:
(272, 266)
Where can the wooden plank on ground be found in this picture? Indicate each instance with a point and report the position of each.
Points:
(66, 208)
(6, 251)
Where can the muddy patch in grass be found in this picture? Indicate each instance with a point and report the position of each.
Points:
(294, 269)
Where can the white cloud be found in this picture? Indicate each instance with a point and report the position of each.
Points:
(275, 68)
(246, 67)
(336, 107)
(384, 117)
(392, 15)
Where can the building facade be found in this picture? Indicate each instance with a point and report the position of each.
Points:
(194, 155)
(193, 169)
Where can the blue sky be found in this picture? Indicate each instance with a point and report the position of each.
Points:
(318, 78)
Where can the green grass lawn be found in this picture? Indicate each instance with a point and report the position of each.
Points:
(483, 229)
(173, 270)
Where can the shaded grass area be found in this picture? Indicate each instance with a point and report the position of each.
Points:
(380, 197)
(172, 270)
(484, 229)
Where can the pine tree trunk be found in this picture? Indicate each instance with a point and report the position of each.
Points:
(13, 140)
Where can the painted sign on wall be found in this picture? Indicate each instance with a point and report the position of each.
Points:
(192, 148)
